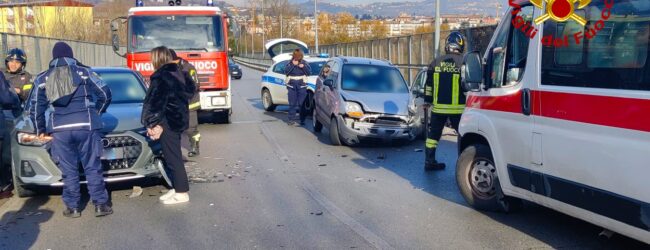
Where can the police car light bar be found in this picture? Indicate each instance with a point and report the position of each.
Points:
(210, 3)
(139, 3)
(324, 55)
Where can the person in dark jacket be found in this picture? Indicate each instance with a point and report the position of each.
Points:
(78, 98)
(297, 71)
(195, 104)
(165, 114)
(10, 104)
(20, 79)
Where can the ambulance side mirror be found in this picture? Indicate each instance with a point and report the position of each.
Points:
(472, 72)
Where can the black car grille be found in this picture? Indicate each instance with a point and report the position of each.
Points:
(127, 150)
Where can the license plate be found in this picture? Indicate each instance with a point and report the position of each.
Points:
(112, 154)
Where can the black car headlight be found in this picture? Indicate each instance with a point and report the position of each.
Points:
(31, 139)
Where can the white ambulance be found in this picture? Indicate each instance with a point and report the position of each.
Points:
(559, 114)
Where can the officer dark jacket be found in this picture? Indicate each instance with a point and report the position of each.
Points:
(21, 80)
(443, 88)
(294, 71)
(81, 109)
(167, 99)
(190, 73)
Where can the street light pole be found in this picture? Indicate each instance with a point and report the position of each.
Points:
(437, 36)
(316, 24)
(263, 26)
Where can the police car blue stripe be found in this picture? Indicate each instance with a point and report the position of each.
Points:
(280, 81)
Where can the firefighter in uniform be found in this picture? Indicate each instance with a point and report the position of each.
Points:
(444, 96)
(20, 80)
(195, 104)
(78, 98)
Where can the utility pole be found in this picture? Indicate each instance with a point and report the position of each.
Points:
(263, 27)
(281, 32)
(437, 36)
(253, 31)
(316, 24)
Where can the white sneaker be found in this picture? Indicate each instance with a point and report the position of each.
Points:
(168, 195)
(177, 199)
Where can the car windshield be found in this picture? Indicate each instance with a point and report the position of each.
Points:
(372, 78)
(125, 87)
(182, 33)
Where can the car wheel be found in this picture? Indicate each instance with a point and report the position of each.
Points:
(19, 189)
(334, 132)
(318, 127)
(267, 101)
(477, 179)
(238, 78)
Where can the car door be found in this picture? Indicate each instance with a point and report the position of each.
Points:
(417, 90)
(277, 87)
(319, 92)
(507, 81)
(332, 95)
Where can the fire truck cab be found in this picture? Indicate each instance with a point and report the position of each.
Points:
(198, 34)
(561, 118)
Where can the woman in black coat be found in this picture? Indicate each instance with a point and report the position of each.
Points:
(165, 114)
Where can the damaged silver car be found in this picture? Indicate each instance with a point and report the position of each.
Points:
(363, 100)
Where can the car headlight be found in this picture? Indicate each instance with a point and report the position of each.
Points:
(412, 107)
(353, 109)
(30, 139)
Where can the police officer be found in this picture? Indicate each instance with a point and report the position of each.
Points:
(78, 98)
(20, 79)
(297, 70)
(444, 96)
(195, 104)
(10, 104)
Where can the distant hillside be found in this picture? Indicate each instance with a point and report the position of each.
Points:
(426, 7)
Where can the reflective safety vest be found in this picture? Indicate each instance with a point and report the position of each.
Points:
(443, 85)
(188, 68)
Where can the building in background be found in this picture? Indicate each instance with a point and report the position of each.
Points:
(46, 18)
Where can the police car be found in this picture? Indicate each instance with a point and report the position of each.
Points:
(273, 89)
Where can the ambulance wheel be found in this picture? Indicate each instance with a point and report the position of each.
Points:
(19, 190)
(267, 101)
(335, 138)
(318, 127)
(477, 179)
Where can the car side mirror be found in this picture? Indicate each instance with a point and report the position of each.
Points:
(329, 83)
(115, 37)
(472, 72)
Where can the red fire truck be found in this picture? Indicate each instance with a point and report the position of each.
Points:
(197, 34)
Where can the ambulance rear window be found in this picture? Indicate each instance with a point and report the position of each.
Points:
(609, 54)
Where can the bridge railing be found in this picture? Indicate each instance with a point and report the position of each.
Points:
(39, 51)
(409, 53)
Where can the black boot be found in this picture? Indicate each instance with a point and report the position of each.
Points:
(194, 150)
(103, 210)
(430, 162)
(71, 212)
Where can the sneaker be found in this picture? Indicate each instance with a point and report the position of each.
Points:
(103, 210)
(434, 166)
(71, 212)
(177, 199)
(169, 194)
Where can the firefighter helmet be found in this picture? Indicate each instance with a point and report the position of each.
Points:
(16, 54)
(455, 43)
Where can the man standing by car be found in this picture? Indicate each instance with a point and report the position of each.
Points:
(78, 97)
(444, 96)
(195, 104)
(20, 80)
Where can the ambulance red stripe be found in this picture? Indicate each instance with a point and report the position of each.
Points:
(618, 112)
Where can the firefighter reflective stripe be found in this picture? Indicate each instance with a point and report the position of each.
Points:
(428, 91)
(436, 83)
(448, 111)
(27, 87)
(431, 143)
(195, 105)
(455, 90)
(196, 137)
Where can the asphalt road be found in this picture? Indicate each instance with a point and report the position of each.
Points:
(262, 184)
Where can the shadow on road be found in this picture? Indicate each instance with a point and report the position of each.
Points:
(407, 161)
(20, 229)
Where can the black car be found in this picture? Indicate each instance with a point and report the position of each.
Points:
(235, 69)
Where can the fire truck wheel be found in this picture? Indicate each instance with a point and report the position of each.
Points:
(267, 101)
(477, 179)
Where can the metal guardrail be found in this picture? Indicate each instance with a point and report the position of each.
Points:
(409, 53)
(39, 51)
